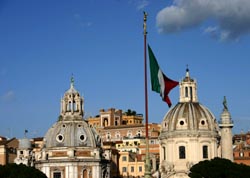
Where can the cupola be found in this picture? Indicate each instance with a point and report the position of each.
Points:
(72, 102)
(188, 89)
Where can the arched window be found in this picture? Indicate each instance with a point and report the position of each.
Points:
(108, 136)
(85, 173)
(191, 93)
(129, 134)
(186, 91)
(205, 151)
(69, 106)
(182, 152)
(117, 135)
(105, 122)
(74, 106)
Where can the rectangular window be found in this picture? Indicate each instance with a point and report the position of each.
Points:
(140, 168)
(124, 158)
(57, 175)
(132, 168)
(124, 169)
(205, 151)
(164, 153)
(182, 152)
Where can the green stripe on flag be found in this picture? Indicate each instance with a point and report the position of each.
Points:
(154, 69)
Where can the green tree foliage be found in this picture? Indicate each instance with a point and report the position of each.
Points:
(20, 171)
(130, 112)
(219, 168)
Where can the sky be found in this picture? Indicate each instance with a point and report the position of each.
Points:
(101, 43)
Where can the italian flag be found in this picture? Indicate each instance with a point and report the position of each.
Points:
(159, 82)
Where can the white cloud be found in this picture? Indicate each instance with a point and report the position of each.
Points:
(231, 17)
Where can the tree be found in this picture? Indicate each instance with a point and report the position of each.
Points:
(219, 168)
(21, 171)
(130, 112)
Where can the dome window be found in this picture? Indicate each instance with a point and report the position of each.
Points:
(181, 124)
(63, 125)
(82, 138)
(203, 122)
(79, 125)
(60, 138)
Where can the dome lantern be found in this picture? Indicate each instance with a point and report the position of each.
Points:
(72, 102)
(188, 89)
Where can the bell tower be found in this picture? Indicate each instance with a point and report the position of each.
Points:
(188, 89)
(72, 102)
(226, 125)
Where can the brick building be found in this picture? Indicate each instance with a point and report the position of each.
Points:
(241, 151)
(8, 150)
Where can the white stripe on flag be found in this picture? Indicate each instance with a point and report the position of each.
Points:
(161, 82)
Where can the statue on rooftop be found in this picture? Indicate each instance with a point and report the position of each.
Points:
(225, 103)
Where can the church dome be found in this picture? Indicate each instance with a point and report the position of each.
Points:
(71, 134)
(71, 130)
(189, 115)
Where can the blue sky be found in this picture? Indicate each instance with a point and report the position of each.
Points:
(44, 42)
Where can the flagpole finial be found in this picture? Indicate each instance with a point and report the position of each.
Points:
(145, 22)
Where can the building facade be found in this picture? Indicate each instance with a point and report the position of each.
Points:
(191, 134)
(8, 150)
(126, 131)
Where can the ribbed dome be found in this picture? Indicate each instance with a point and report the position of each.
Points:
(189, 116)
(71, 134)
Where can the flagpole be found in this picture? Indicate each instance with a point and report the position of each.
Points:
(147, 172)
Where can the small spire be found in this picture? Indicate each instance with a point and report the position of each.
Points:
(187, 72)
(72, 81)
